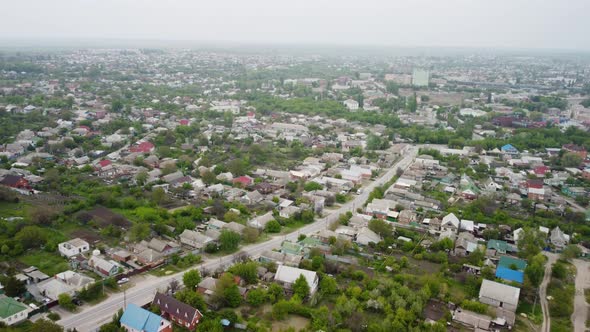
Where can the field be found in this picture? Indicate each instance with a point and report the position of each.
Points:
(48, 263)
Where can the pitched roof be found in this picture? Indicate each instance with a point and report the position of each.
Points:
(289, 274)
(141, 319)
(10, 307)
(500, 292)
(509, 274)
(507, 262)
(174, 307)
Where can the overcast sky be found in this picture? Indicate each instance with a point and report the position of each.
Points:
(551, 24)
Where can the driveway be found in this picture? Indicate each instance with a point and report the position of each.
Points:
(551, 258)
(580, 306)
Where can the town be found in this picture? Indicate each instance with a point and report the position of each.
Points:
(212, 190)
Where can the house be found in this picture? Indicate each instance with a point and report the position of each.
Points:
(499, 295)
(573, 148)
(289, 211)
(380, 208)
(473, 320)
(102, 266)
(512, 263)
(234, 227)
(252, 197)
(509, 274)
(244, 181)
(143, 147)
(177, 312)
(407, 216)
(558, 238)
(15, 181)
(73, 247)
(137, 319)
(501, 247)
(366, 236)
(194, 239)
(450, 223)
(67, 282)
(12, 312)
(351, 104)
(465, 244)
(509, 150)
(260, 221)
(268, 256)
(166, 248)
(287, 275)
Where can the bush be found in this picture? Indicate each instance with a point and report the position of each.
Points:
(474, 306)
(54, 316)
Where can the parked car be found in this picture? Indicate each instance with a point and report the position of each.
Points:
(123, 281)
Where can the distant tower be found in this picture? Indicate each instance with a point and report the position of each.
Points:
(420, 77)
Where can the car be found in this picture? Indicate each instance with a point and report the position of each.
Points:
(123, 281)
(77, 302)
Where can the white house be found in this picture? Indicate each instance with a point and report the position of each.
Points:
(499, 295)
(287, 275)
(450, 223)
(73, 247)
(351, 104)
(12, 312)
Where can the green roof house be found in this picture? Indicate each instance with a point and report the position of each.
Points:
(509, 262)
(12, 312)
(291, 248)
(500, 246)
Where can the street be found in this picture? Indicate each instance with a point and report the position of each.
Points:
(90, 318)
(580, 306)
(551, 259)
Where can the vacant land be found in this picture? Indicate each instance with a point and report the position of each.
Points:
(48, 263)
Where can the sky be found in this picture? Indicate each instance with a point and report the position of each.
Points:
(534, 24)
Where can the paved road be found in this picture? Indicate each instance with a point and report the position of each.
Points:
(580, 306)
(551, 258)
(90, 318)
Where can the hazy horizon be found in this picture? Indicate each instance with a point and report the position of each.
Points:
(503, 24)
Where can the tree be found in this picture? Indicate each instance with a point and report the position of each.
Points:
(535, 270)
(43, 325)
(250, 234)
(312, 185)
(192, 298)
(208, 177)
(392, 87)
(380, 227)
(227, 291)
(328, 285)
(140, 231)
(229, 240)
(141, 178)
(65, 301)
(191, 279)
(230, 216)
(530, 242)
(31, 237)
(13, 287)
(158, 195)
(273, 226)
(247, 271)
(570, 252)
(301, 287)
(571, 159)
(256, 297)
(275, 293)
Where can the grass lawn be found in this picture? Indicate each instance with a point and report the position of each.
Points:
(527, 308)
(13, 209)
(49, 263)
(165, 270)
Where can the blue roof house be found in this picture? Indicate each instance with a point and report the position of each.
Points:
(509, 149)
(137, 319)
(509, 275)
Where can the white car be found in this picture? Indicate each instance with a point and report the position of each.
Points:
(123, 281)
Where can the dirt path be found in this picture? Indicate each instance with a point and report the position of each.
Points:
(580, 306)
(551, 258)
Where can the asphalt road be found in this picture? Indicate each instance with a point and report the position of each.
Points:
(92, 317)
(580, 306)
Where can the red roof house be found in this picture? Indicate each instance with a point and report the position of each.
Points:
(541, 170)
(184, 122)
(143, 147)
(104, 163)
(15, 181)
(244, 180)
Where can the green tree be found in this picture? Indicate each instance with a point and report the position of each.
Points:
(275, 293)
(247, 271)
(256, 297)
(273, 226)
(192, 298)
(381, 227)
(571, 159)
(13, 287)
(191, 279)
(535, 270)
(328, 285)
(301, 287)
(311, 186)
(43, 325)
(530, 242)
(229, 240)
(65, 301)
(140, 231)
(158, 195)
(570, 252)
